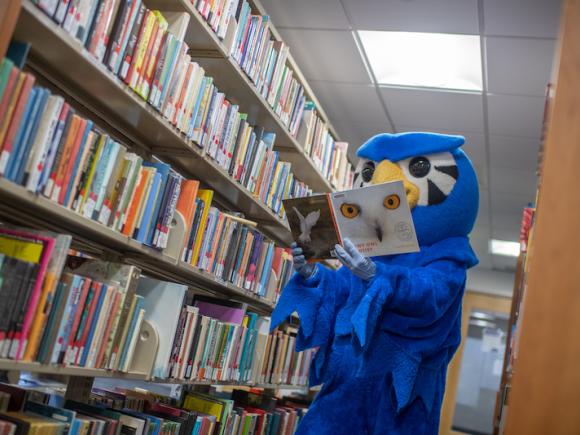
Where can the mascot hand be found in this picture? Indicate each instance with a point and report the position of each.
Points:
(304, 269)
(359, 265)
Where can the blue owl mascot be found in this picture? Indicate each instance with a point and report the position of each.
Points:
(387, 327)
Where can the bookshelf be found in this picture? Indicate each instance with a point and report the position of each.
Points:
(545, 386)
(19, 205)
(63, 64)
(211, 53)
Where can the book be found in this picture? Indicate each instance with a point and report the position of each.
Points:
(377, 219)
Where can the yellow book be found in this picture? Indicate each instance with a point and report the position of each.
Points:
(150, 60)
(206, 196)
(206, 406)
(86, 187)
(274, 187)
(23, 250)
(150, 21)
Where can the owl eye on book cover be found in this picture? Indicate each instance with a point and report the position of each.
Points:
(388, 322)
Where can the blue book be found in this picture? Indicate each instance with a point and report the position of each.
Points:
(163, 170)
(138, 306)
(94, 322)
(239, 254)
(140, 233)
(266, 270)
(66, 322)
(172, 56)
(18, 52)
(60, 414)
(204, 82)
(24, 125)
(24, 150)
(78, 158)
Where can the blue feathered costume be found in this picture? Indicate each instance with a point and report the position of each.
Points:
(385, 342)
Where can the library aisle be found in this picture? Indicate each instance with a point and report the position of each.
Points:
(199, 236)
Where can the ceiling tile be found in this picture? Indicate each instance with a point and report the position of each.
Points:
(326, 55)
(504, 263)
(319, 14)
(506, 226)
(508, 203)
(442, 16)
(514, 181)
(434, 110)
(354, 110)
(539, 18)
(515, 115)
(514, 152)
(484, 210)
(480, 243)
(519, 66)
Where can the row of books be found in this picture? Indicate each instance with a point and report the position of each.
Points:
(146, 50)
(219, 341)
(31, 409)
(235, 412)
(248, 40)
(53, 151)
(263, 59)
(228, 247)
(329, 156)
(82, 312)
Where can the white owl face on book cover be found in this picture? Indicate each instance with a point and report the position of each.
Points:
(376, 218)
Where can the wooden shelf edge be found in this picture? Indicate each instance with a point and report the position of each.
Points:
(34, 367)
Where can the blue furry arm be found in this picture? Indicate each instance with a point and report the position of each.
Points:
(316, 300)
(412, 302)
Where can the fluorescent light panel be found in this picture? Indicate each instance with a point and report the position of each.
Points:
(435, 60)
(503, 247)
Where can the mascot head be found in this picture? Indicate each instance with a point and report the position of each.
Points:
(439, 180)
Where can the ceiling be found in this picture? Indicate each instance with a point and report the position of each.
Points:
(502, 124)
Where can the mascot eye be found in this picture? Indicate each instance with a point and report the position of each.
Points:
(392, 202)
(349, 211)
(419, 167)
(367, 171)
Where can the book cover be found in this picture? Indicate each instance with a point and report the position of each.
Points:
(377, 219)
(312, 223)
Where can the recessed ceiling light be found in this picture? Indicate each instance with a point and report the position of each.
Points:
(503, 247)
(435, 60)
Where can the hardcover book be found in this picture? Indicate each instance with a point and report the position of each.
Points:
(377, 219)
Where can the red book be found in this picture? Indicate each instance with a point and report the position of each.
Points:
(14, 114)
(131, 71)
(107, 335)
(79, 346)
(77, 319)
(71, 161)
(68, 143)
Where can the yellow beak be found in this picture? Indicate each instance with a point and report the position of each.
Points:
(387, 171)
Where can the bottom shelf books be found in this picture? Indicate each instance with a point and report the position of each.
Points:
(28, 410)
(73, 311)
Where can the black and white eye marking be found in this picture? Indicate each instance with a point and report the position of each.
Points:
(363, 174)
(434, 175)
